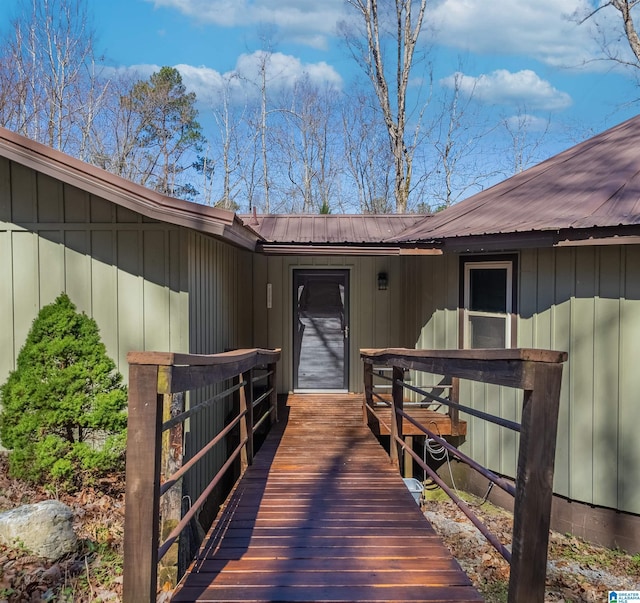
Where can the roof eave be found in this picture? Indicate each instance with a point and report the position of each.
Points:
(313, 249)
(564, 237)
(124, 193)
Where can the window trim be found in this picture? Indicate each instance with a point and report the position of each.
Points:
(467, 263)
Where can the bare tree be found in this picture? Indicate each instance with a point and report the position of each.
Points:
(261, 121)
(264, 62)
(526, 134)
(235, 139)
(368, 166)
(51, 61)
(456, 137)
(114, 146)
(227, 129)
(250, 169)
(401, 22)
(11, 91)
(308, 146)
(241, 148)
(611, 49)
(206, 167)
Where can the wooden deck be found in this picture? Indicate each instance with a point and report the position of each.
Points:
(321, 515)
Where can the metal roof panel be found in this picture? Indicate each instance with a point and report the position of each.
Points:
(593, 184)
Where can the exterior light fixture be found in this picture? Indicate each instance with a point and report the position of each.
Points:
(383, 281)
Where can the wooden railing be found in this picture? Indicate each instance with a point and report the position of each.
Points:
(378, 382)
(538, 373)
(154, 379)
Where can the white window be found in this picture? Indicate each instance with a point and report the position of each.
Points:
(488, 304)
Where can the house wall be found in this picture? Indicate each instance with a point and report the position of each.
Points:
(587, 301)
(375, 318)
(127, 272)
(220, 281)
(583, 300)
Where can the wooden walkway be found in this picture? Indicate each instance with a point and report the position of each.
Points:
(322, 516)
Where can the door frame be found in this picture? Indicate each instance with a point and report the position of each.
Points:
(327, 269)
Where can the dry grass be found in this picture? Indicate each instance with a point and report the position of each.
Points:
(577, 571)
(93, 574)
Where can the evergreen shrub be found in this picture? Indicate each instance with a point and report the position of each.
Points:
(63, 408)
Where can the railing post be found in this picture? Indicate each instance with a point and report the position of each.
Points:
(534, 485)
(368, 391)
(395, 449)
(246, 426)
(142, 494)
(273, 398)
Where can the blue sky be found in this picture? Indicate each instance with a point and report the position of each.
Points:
(519, 53)
(517, 56)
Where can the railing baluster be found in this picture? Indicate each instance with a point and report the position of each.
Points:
(368, 391)
(246, 426)
(395, 448)
(272, 384)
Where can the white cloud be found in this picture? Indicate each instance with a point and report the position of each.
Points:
(520, 89)
(134, 72)
(531, 123)
(282, 72)
(202, 80)
(305, 21)
(542, 29)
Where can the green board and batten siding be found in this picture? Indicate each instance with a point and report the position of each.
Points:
(220, 306)
(583, 300)
(127, 272)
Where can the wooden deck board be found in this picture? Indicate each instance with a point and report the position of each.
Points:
(323, 516)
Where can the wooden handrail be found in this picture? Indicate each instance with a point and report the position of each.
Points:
(152, 375)
(538, 373)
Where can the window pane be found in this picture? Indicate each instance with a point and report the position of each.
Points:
(322, 296)
(488, 289)
(487, 332)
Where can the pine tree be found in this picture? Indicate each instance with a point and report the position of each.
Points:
(167, 131)
(63, 407)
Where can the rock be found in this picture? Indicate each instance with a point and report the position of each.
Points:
(44, 529)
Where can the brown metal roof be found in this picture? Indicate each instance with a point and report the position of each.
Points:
(595, 184)
(332, 229)
(219, 222)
